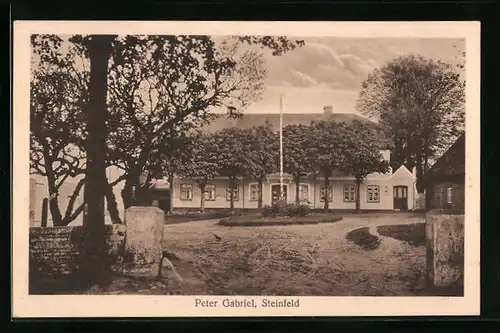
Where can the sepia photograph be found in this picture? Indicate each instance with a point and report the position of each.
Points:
(246, 169)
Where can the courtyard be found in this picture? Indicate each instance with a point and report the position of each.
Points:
(211, 259)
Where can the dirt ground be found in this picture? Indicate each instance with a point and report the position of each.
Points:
(289, 260)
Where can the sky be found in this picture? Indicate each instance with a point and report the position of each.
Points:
(330, 70)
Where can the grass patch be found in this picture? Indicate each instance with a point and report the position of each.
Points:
(363, 238)
(251, 221)
(179, 218)
(413, 234)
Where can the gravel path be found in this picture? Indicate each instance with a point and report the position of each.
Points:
(287, 260)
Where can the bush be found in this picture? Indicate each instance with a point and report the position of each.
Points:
(249, 221)
(267, 211)
(297, 210)
(413, 234)
(363, 238)
(280, 208)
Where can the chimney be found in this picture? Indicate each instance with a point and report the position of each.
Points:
(328, 110)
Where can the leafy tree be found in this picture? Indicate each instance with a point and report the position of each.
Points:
(201, 162)
(328, 152)
(59, 94)
(278, 45)
(298, 153)
(263, 154)
(233, 149)
(157, 69)
(419, 103)
(52, 137)
(169, 159)
(170, 88)
(361, 154)
(55, 123)
(461, 57)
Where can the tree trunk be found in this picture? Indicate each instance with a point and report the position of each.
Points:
(171, 194)
(202, 199)
(326, 184)
(297, 189)
(358, 195)
(55, 212)
(232, 182)
(95, 266)
(420, 173)
(261, 190)
(57, 220)
(71, 213)
(128, 193)
(112, 205)
(129, 197)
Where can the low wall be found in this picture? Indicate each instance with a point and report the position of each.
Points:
(55, 251)
(445, 248)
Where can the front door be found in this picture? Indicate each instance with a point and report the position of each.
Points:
(401, 197)
(275, 192)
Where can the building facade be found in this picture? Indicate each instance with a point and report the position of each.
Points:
(445, 180)
(391, 191)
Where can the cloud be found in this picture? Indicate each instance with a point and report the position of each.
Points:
(303, 79)
(330, 70)
(344, 63)
(317, 63)
(324, 53)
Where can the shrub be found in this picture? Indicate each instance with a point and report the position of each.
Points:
(267, 210)
(363, 238)
(413, 234)
(297, 210)
(280, 208)
(249, 221)
(276, 209)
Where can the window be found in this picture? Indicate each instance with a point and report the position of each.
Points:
(373, 193)
(209, 192)
(304, 192)
(325, 191)
(254, 192)
(449, 195)
(186, 192)
(350, 193)
(235, 193)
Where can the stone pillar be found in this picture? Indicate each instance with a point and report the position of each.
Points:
(445, 248)
(143, 240)
(33, 202)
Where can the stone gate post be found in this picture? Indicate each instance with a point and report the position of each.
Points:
(143, 240)
(445, 248)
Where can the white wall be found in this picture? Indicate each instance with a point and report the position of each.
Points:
(66, 190)
(385, 203)
(404, 177)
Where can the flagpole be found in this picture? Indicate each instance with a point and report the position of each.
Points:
(281, 148)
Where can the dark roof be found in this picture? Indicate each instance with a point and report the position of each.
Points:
(250, 119)
(451, 163)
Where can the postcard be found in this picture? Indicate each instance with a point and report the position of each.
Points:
(200, 169)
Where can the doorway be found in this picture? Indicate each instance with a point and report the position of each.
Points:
(275, 192)
(401, 197)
